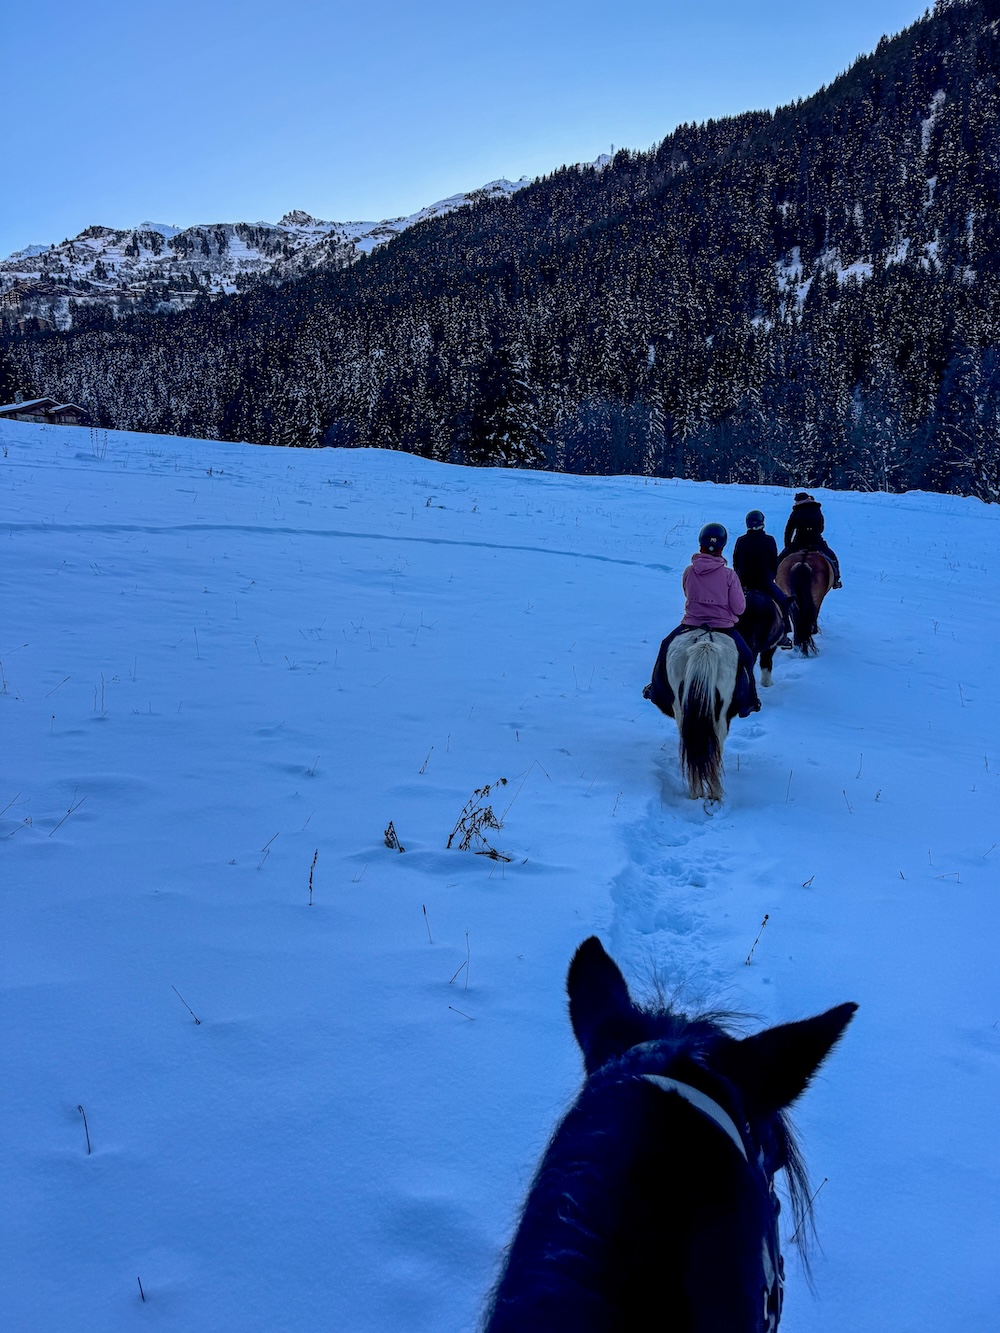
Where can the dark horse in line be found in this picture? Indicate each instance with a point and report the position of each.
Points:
(807, 576)
(654, 1205)
(763, 627)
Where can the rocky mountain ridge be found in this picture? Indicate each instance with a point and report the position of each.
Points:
(157, 267)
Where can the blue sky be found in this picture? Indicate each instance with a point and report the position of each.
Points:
(197, 112)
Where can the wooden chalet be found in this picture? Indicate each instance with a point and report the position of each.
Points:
(47, 411)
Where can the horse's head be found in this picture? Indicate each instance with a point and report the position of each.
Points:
(744, 1085)
(656, 1191)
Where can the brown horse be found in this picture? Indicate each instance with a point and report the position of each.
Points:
(808, 577)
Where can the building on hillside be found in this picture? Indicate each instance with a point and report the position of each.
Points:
(48, 411)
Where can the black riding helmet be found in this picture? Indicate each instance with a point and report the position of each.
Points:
(755, 519)
(712, 538)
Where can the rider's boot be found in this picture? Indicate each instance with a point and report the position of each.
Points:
(786, 611)
(751, 703)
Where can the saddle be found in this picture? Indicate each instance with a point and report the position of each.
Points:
(660, 693)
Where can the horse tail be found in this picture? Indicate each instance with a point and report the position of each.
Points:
(804, 610)
(701, 711)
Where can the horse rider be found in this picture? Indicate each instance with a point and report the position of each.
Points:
(713, 599)
(755, 560)
(804, 532)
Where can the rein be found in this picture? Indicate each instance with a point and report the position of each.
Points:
(774, 1268)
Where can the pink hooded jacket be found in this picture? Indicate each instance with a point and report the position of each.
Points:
(714, 596)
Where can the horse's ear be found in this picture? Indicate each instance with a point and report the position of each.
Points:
(775, 1066)
(605, 1021)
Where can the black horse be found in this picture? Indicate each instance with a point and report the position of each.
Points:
(762, 626)
(654, 1205)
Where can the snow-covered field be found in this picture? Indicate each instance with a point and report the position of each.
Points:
(225, 669)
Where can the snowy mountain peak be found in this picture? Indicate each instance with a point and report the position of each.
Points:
(160, 267)
(298, 218)
(157, 266)
(29, 251)
(164, 228)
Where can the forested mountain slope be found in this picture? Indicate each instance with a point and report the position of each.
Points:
(809, 296)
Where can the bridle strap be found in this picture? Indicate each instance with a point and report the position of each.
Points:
(703, 1103)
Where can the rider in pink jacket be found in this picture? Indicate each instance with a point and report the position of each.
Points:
(713, 593)
(713, 599)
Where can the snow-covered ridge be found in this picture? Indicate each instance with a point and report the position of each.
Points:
(159, 265)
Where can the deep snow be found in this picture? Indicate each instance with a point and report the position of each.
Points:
(220, 661)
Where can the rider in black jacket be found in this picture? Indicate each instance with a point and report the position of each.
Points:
(804, 532)
(755, 559)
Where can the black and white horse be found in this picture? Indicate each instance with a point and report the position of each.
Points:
(702, 667)
(654, 1205)
(762, 626)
